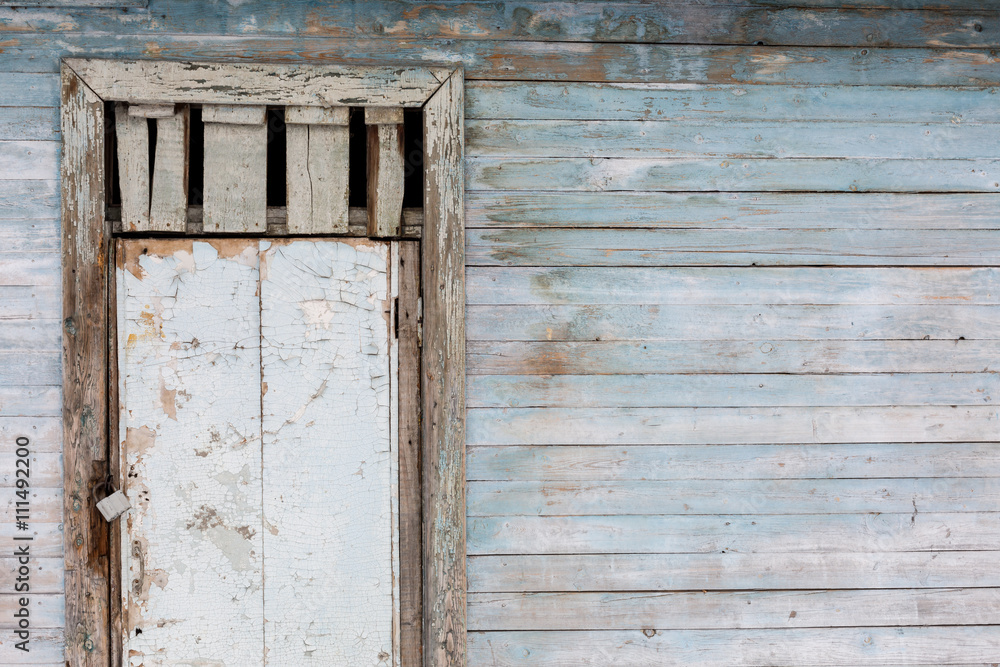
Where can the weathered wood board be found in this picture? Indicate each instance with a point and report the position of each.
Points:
(259, 452)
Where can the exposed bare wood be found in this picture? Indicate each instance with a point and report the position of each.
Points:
(234, 114)
(385, 170)
(410, 519)
(235, 169)
(239, 83)
(168, 205)
(383, 115)
(85, 372)
(133, 168)
(317, 159)
(301, 115)
(151, 110)
(443, 381)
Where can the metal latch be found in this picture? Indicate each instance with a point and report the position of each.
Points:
(114, 504)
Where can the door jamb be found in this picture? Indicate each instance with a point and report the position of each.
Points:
(88, 337)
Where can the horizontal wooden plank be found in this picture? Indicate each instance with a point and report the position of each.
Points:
(811, 533)
(662, 426)
(731, 210)
(44, 505)
(29, 335)
(29, 235)
(719, 390)
(737, 175)
(614, 21)
(732, 497)
(29, 160)
(29, 302)
(609, 463)
(947, 645)
(30, 268)
(46, 648)
(732, 571)
(735, 286)
(29, 199)
(675, 322)
(722, 356)
(46, 538)
(47, 610)
(773, 138)
(29, 123)
(720, 610)
(45, 433)
(731, 247)
(276, 83)
(31, 368)
(532, 60)
(44, 468)
(21, 401)
(535, 100)
(317, 115)
(46, 574)
(244, 114)
(20, 90)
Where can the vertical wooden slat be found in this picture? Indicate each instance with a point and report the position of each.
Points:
(133, 168)
(443, 378)
(410, 521)
(385, 170)
(235, 191)
(318, 150)
(85, 371)
(168, 206)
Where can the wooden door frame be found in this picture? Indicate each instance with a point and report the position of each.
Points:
(88, 296)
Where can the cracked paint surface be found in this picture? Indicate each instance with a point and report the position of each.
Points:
(328, 459)
(256, 383)
(190, 377)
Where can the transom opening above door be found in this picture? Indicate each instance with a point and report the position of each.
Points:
(206, 169)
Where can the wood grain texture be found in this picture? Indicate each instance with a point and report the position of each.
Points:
(730, 571)
(519, 60)
(168, 202)
(675, 247)
(205, 83)
(676, 322)
(748, 22)
(738, 175)
(443, 377)
(85, 371)
(190, 437)
(235, 172)
(655, 426)
(318, 186)
(731, 211)
(714, 648)
(632, 497)
(732, 286)
(726, 138)
(720, 533)
(385, 171)
(331, 594)
(743, 356)
(132, 134)
(730, 390)
(537, 100)
(410, 483)
(739, 610)
(607, 463)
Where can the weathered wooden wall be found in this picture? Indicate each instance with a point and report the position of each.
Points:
(743, 443)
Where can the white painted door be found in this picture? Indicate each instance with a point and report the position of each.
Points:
(258, 450)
